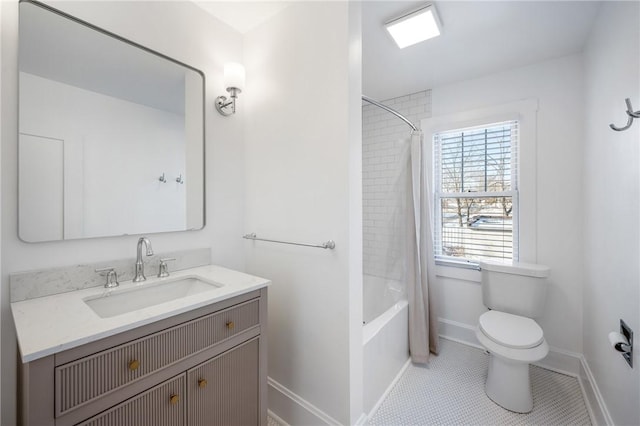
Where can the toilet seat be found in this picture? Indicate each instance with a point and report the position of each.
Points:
(513, 355)
(511, 331)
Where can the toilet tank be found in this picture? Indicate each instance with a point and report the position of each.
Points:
(515, 288)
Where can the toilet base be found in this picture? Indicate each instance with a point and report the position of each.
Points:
(508, 384)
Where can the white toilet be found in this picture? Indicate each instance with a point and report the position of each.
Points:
(514, 293)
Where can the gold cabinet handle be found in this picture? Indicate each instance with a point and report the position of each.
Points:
(202, 383)
(174, 399)
(230, 325)
(134, 364)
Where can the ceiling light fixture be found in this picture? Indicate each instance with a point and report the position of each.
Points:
(415, 26)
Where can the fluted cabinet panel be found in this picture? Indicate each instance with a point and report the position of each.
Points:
(229, 395)
(89, 378)
(163, 405)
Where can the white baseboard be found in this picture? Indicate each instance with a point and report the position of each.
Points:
(458, 332)
(389, 388)
(298, 411)
(292, 409)
(598, 409)
(362, 420)
(559, 360)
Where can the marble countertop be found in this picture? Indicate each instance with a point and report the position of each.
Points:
(51, 324)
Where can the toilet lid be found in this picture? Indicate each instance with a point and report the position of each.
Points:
(511, 330)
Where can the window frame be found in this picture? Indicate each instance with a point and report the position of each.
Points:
(460, 262)
(525, 112)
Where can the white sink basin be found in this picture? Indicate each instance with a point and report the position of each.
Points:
(120, 302)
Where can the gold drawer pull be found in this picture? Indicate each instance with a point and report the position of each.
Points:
(173, 399)
(230, 325)
(202, 383)
(134, 364)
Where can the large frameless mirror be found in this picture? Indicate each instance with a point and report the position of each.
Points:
(111, 134)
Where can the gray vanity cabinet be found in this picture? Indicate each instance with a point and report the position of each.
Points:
(203, 367)
(223, 391)
(159, 406)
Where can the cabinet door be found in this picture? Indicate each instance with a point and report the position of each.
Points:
(162, 405)
(225, 390)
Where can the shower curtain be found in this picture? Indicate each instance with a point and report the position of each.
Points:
(420, 274)
(408, 254)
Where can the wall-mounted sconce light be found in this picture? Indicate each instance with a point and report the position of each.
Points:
(234, 75)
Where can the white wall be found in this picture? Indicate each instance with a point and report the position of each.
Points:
(611, 185)
(1, 292)
(557, 85)
(302, 149)
(179, 30)
(356, 353)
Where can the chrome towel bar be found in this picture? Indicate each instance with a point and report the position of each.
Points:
(328, 245)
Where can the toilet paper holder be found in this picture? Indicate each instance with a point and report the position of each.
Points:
(623, 342)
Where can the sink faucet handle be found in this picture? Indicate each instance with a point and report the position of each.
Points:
(163, 271)
(112, 276)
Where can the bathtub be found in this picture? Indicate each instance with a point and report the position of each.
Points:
(378, 295)
(386, 352)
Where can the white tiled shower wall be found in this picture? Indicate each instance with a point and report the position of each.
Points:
(381, 136)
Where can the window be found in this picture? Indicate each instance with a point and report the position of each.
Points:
(476, 193)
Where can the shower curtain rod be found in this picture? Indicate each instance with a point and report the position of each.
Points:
(391, 110)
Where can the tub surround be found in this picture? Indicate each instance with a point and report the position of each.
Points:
(386, 353)
(51, 324)
(47, 282)
(380, 294)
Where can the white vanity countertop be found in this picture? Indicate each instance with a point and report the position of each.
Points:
(51, 324)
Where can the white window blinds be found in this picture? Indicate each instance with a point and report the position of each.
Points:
(476, 198)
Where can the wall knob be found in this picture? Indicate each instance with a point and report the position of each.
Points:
(230, 325)
(202, 383)
(174, 399)
(134, 364)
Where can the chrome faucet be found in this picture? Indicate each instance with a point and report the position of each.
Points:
(139, 276)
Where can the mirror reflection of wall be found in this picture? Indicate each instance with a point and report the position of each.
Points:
(100, 121)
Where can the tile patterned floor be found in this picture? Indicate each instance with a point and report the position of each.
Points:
(450, 391)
